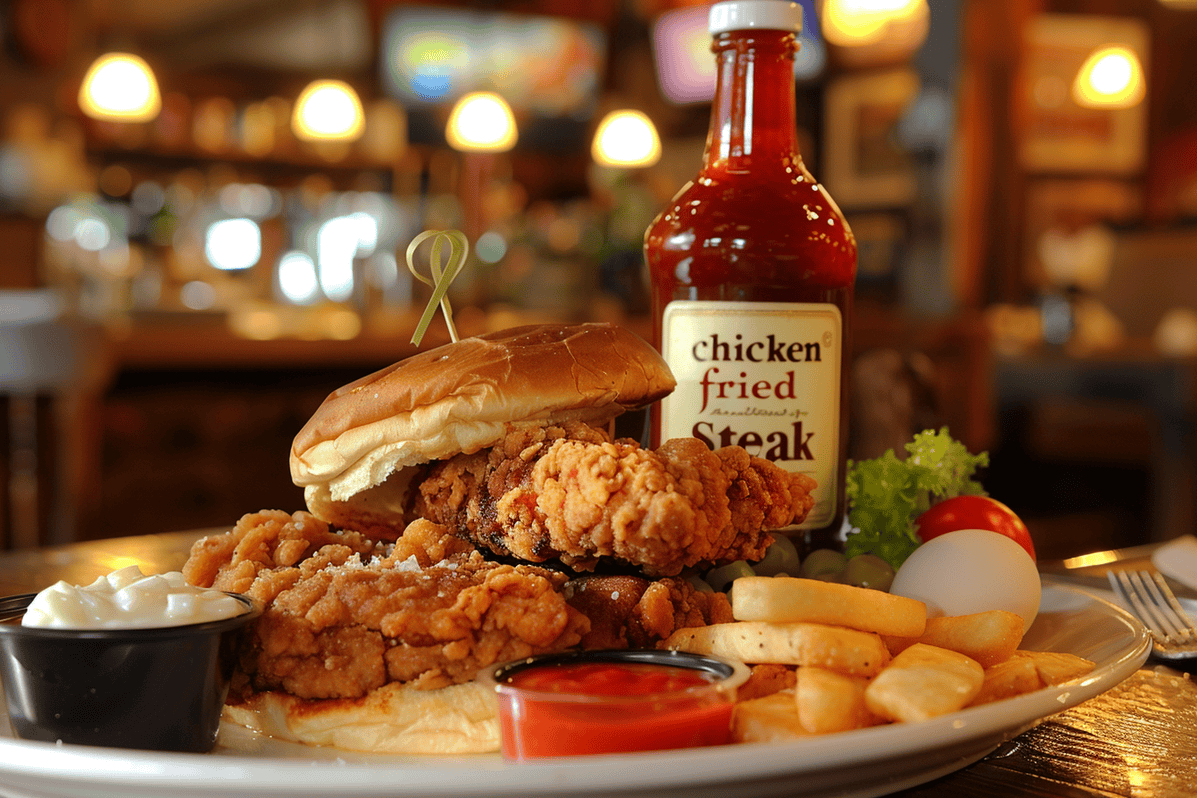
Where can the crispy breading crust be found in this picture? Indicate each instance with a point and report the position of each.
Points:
(345, 615)
(569, 492)
(633, 612)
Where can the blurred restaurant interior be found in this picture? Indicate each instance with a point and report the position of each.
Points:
(184, 278)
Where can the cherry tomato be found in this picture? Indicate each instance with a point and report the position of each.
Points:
(974, 512)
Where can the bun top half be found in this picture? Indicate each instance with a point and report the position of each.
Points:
(465, 396)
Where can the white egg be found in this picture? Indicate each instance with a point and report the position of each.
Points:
(968, 571)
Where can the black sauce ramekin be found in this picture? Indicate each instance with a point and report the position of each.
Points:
(159, 689)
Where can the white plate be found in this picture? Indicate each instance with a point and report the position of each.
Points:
(868, 762)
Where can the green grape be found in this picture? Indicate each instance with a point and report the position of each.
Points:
(699, 584)
(781, 556)
(721, 578)
(824, 564)
(869, 570)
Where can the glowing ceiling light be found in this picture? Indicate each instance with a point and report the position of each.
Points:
(626, 138)
(62, 222)
(1111, 77)
(337, 243)
(233, 244)
(297, 278)
(481, 122)
(367, 232)
(120, 87)
(328, 110)
(856, 22)
(92, 234)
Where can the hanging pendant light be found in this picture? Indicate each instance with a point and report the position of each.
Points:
(481, 122)
(853, 23)
(120, 87)
(626, 138)
(328, 110)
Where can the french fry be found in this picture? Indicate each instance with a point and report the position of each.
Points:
(791, 599)
(1015, 676)
(831, 702)
(766, 720)
(988, 637)
(924, 682)
(832, 647)
(1056, 667)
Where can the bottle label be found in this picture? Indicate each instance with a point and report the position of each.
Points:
(761, 375)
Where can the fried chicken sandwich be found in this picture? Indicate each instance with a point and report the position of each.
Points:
(469, 506)
(503, 438)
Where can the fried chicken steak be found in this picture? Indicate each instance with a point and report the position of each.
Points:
(503, 438)
(373, 645)
(572, 494)
(463, 505)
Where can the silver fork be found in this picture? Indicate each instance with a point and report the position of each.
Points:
(1148, 596)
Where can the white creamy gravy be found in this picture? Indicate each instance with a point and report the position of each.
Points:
(128, 599)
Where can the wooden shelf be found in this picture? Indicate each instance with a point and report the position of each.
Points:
(209, 343)
(175, 348)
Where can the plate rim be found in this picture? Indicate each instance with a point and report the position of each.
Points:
(80, 766)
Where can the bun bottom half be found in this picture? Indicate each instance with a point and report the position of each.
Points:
(458, 719)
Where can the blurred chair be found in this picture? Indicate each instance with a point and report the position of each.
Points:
(913, 373)
(52, 371)
(893, 397)
(1118, 410)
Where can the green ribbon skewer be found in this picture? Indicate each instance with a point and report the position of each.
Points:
(459, 249)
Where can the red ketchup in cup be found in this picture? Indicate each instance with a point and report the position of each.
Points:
(608, 702)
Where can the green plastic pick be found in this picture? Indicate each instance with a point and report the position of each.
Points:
(459, 249)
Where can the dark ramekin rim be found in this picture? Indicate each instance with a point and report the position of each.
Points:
(12, 607)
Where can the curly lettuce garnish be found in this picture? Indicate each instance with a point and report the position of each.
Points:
(886, 495)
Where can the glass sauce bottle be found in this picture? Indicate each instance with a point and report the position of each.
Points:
(752, 267)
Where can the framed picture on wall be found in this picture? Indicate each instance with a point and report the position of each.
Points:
(1058, 134)
(865, 166)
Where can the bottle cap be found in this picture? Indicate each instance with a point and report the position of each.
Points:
(763, 14)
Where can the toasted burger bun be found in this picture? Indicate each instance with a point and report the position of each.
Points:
(462, 397)
(458, 719)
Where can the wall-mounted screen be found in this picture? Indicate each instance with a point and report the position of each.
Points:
(686, 67)
(550, 66)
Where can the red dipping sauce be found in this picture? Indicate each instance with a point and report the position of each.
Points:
(613, 702)
(609, 678)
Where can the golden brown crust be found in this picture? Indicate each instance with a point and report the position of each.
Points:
(345, 615)
(766, 680)
(464, 396)
(633, 612)
(269, 540)
(371, 646)
(570, 493)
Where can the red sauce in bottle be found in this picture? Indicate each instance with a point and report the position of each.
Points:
(752, 268)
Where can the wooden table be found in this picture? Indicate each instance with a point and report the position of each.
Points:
(1138, 739)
